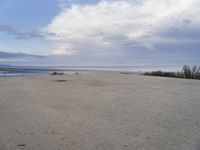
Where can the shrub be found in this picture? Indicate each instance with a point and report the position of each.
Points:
(187, 73)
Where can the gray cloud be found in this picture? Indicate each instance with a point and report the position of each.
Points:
(21, 35)
(8, 55)
(185, 30)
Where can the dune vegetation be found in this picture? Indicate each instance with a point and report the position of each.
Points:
(187, 72)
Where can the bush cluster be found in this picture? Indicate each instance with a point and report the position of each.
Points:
(187, 72)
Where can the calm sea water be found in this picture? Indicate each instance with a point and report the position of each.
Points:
(35, 71)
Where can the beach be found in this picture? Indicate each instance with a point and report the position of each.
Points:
(99, 111)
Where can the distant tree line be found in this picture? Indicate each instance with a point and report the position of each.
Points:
(187, 73)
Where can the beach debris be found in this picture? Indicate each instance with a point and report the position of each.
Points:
(21, 145)
(61, 80)
(126, 72)
(57, 73)
(147, 137)
(124, 147)
(76, 73)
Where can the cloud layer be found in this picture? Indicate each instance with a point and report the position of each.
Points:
(12, 57)
(125, 28)
(20, 35)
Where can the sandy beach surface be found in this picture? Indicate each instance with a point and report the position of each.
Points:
(99, 111)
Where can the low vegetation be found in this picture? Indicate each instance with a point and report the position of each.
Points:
(187, 73)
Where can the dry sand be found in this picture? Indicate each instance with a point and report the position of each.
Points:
(102, 111)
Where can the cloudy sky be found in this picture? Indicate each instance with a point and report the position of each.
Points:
(100, 32)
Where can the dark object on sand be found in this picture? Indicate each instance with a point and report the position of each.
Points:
(57, 73)
(21, 145)
(61, 80)
(76, 73)
(126, 72)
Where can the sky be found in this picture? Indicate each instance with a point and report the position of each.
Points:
(100, 32)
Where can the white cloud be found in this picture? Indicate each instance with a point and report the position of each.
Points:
(109, 26)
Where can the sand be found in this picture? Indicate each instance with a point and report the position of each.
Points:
(99, 111)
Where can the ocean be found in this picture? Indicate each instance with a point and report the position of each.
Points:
(11, 71)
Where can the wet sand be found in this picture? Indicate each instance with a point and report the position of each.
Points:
(99, 111)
